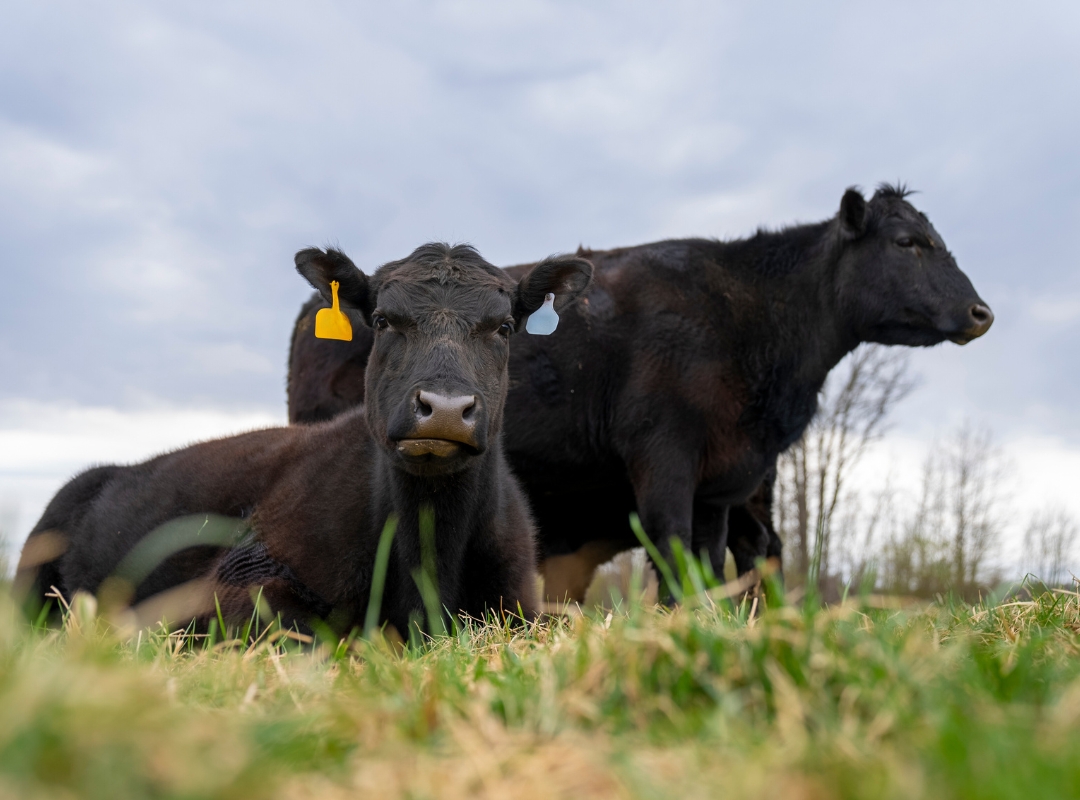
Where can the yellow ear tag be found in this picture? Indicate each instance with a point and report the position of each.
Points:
(331, 323)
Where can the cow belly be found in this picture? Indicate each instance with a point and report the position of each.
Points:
(574, 505)
(732, 482)
(730, 490)
(570, 514)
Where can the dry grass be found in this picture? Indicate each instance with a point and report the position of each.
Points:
(851, 701)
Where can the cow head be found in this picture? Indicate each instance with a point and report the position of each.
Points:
(897, 281)
(443, 317)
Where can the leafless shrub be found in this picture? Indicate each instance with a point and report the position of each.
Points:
(943, 538)
(948, 537)
(9, 515)
(814, 473)
(1049, 545)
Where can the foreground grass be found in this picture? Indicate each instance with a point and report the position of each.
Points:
(973, 702)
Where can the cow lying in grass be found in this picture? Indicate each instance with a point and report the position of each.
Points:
(315, 499)
(690, 365)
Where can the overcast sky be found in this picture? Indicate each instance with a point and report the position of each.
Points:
(160, 164)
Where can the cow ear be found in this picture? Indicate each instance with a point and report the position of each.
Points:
(853, 214)
(567, 277)
(354, 289)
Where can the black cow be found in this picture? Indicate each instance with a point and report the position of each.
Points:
(314, 499)
(690, 365)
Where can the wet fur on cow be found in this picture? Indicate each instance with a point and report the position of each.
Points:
(311, 501)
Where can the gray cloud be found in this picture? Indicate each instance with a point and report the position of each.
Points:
(160, 164)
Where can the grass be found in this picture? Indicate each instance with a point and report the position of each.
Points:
(853, 701)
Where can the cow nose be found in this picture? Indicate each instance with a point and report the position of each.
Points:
(441, 417)
(981, 318)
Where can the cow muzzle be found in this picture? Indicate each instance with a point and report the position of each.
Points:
(979, 319)
(445, 427)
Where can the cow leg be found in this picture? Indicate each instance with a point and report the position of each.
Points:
(513, 593)
(249, 568)
(774, 552)
(748, 538)
(760, 505)
(711, 535)
(499, 575)
(664, 489)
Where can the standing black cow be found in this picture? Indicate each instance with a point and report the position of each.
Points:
(315, 498)
(691, 364)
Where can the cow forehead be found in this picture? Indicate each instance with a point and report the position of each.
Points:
(902, 213)
(463, 272)
(439, 301)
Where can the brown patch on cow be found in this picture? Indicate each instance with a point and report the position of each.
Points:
(191, 600)
(40, 549)
(567, 578)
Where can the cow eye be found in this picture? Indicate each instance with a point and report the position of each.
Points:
(506, 328)
(379, 322)
(905, 241)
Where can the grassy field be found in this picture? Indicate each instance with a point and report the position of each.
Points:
(851, 701)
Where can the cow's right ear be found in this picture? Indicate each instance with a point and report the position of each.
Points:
(354, 289)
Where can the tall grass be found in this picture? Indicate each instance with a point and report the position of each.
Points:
(860, 700)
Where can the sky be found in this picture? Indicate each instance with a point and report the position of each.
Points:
(161, 163)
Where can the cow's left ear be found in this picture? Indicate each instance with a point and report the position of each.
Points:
(567, 277)
(853, 214)
(354, 289)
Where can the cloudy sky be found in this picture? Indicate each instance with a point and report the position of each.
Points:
(161, 163)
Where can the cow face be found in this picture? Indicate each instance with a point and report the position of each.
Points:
(897, 281)
(443, 317)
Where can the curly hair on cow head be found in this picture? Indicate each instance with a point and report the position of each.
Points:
(898, 190)
(443, 263)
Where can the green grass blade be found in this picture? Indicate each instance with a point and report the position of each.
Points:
(378, 576)
(429, 594)
(667, 578)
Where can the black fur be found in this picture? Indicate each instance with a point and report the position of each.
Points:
(315, 499)
(691, 364)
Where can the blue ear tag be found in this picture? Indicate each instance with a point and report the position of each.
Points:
(544, 320)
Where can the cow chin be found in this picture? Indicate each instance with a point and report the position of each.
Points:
(907, 335)
(425, 457)
(969, 335)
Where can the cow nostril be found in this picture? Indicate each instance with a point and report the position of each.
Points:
(981, 319)
(431, 405)
(423, 409)
(454, 417)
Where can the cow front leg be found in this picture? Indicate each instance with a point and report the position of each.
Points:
(665, 500)
(748, 538)
(499, 577)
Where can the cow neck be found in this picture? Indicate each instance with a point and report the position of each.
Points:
(461, 501)
(800, 335)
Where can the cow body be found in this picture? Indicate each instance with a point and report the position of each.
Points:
(691, 364)
(311, 502)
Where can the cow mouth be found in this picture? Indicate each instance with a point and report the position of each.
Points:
(972, 333)
(429, 449)
(978, 321)
(431, 457)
